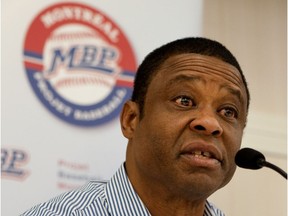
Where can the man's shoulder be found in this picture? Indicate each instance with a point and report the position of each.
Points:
(91, 189)
(69, 202)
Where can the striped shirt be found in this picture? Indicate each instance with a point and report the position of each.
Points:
(113, 198)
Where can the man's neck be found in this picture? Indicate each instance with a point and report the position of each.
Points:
(159, 200)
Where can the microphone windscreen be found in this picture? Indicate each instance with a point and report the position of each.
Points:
(249, 158)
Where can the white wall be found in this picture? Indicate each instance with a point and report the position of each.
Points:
(256, 32)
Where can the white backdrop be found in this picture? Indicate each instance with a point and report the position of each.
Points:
(42, 155)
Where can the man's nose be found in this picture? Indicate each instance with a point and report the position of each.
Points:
(207, 125)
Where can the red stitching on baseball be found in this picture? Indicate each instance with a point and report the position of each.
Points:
(80, 35)
(71, 82)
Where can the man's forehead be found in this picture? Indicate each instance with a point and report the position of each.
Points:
(195, 58)
(202, 65)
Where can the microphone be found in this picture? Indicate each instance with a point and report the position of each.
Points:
(251, 159)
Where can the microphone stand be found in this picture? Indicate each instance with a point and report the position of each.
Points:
(263, 163)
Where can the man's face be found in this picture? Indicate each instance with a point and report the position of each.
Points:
(194, 116)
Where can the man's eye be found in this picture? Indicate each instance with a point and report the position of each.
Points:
(229, 112)
(184, 101)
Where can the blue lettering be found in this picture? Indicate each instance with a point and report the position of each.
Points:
(59, 58)
(107, 55)
(87, 57)
(10, 161)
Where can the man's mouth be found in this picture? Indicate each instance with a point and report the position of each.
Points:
(202, 154)
(203, 150)
(200, 158)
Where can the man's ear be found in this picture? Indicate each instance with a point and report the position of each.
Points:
(129, 118)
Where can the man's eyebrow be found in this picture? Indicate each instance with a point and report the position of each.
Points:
(233, 91)
(184, 78)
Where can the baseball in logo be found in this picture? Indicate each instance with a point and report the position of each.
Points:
(79, 63)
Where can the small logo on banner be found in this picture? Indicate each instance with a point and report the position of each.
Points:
(79, 63)
(13, 162)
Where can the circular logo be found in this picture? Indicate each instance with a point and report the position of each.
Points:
(79, 63)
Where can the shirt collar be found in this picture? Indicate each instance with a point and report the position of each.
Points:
(122, 198)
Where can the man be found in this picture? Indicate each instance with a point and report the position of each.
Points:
(184, 125)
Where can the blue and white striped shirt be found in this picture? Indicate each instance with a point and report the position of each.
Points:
(113, 198)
